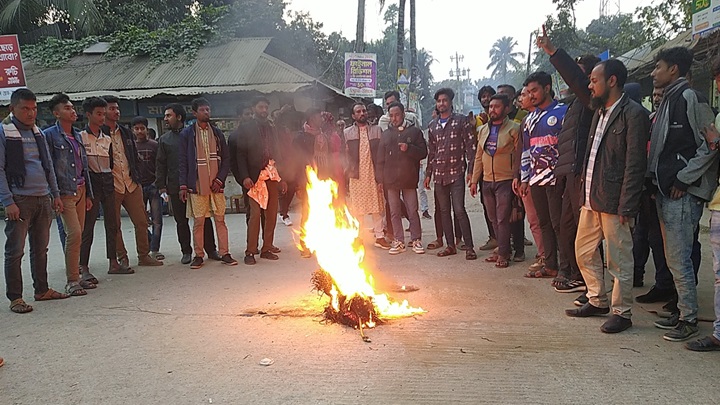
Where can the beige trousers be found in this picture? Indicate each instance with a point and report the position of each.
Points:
(135, 207)
(593, 228)
(73, 219)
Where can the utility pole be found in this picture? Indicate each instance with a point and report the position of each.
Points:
(459, 74)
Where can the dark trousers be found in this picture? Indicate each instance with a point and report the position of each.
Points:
(34, 224)
(452, 196)
(286, 199)
(103, 186)
(152, 197)
(548, 204)
(517, 232)
(647, 237)
(439, 233)
(572, 197)
(498, 198)
(268, 222)
(488, 220)
(61, 231)
(179, 210)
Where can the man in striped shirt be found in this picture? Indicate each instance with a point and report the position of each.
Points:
(539, 157)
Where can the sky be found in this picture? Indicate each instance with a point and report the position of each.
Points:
(468, 27)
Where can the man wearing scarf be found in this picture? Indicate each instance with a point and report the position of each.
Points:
(204, 164)
(682, 169)
(29, 192)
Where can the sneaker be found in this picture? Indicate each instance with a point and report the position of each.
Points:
(197, 262)
(186, 258)
(249, 260)
(655, 295)
(489, 245)
(397, 247)
(616, 324)
(228, 260)
(668, 323)
(571, 286)
(683, 331)
(382, 243)
(426, 215)
(706, 344)
(269, 255)
(417, 247)
(215, 256)
(287, 221)
(581, 300)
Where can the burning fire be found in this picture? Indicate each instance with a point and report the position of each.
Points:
(331, 233)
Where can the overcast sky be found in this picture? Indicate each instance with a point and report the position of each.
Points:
(469, 27)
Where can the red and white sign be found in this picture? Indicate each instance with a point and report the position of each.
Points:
(12, 76)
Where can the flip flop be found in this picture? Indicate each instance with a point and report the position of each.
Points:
(121, 270)
(448, 251)
(542, 273)
(51, 294)
(491, 259)
(434, 245)
(502, 263)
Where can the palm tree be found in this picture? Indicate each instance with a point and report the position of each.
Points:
(503, 57)
(22, 15)
(360, 29)
(401, 34)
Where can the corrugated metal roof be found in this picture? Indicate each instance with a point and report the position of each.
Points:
(241, 62)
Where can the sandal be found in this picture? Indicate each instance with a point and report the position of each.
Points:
(51, 294)
(502, 263)
(75, 289)
(559, 281)
(448, 251)
(20, 307)
(436, 244)
(542, 273)
(87, 285)
(87, 276)
(492, 259)
(121, 270)
(470, 254)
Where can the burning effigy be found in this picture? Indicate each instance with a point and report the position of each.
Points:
(331, 234)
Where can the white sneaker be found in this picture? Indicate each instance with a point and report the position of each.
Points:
(417, 247)
(287, 221)
(396, 247)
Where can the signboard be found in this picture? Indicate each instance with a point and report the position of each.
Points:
(12, 76)
(360, 74)
(705, 15)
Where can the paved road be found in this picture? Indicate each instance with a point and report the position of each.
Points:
(174, 335)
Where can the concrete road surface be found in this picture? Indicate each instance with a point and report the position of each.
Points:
(172, 335)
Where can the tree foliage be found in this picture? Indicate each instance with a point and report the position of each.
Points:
(19, 16)
(504, 58)
(664, 19)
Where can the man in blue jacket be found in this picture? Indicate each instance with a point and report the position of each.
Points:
(204, 164)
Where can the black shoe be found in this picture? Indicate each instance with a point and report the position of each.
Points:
(655, 295)
(275, 249)
(616, 324)
(683, 331)
(586, 310)
(228, 260)
(426, 215)
(581, 300)
(215, 256)
(671, 306)
(269, 255)
(186, 258)
(706, 344)
(638, 283)
(197, 262)
(249, 260)
(668, 323)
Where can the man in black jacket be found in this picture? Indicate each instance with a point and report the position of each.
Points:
(612, 183)
(572, 142)
(398, 166)
(167, 181)
(257, 144)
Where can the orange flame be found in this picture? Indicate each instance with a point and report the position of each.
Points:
(330, 233)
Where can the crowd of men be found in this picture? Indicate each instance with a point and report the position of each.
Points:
(594, 167)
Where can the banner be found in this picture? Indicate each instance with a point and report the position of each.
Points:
(12, 76)
(705, 15)
(360, 74)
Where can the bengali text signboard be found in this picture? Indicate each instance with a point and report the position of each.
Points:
(360, 74)
(705, 15)
(12, 76)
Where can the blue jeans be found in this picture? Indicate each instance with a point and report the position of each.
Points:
(152, 196)
(679, 220)
(454, 194)
(35, 220)
(715, 243)
(422, 194)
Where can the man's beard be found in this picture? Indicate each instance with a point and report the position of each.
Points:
(598, 103)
